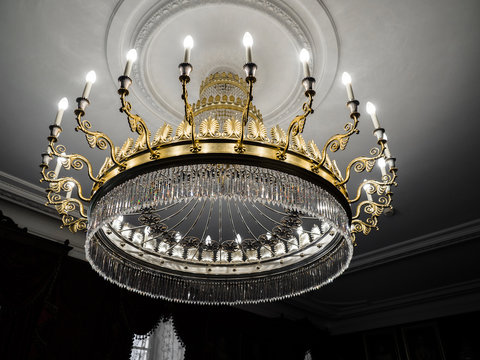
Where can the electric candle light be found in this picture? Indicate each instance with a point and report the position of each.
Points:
(62, 106)
(208, 240)
(248, 42)
(188, 45)
(347, 81)
(131, 58)
(372, 111)
(90, 78)
(304, 58)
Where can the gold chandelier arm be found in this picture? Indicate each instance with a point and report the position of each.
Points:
(363, 163)
(297, 125)
(62, 184)
(375, 187)
(137, 124)
(339, 141)
(189, 117)
(371, 208)
(65, 206)
(95, 138)
(75, 161)
(240, 148)
(74, 224)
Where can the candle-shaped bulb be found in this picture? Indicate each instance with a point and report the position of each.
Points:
(132, 55)
(238, 239)
(131, 58)
(208, 240)
(91, 78)
(62, 105)
(248, 43)
(305, 58)
(371, 110)
(247, 40)
(187, 45)
(188, 42)
(346, 78)
(373, 114)
(347, 81)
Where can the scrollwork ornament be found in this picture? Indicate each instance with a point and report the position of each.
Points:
(96, 138)
(138, 125)
(338, 141)
(362, 163)
(296, 126)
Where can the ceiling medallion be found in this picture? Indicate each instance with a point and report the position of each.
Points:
(221, 211)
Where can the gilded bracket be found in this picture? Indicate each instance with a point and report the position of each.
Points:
(297, 124)
(340, 141)
(363, 163)
(136, 123)
(64, 207)
(373, 209)
(195, 147)
(94, 138)
(62, 184)
(75, 161)
(239, 147)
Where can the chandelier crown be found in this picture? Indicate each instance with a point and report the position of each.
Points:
(221, 210)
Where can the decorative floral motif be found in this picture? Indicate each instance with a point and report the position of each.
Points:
(163, 135)
(278, 136)
(232, 128)
(184, 131)
(257, 131)
(209, 127)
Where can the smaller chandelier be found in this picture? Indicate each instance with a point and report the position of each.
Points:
(220, 211)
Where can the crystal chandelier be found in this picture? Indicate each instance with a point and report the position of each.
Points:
(221, 211)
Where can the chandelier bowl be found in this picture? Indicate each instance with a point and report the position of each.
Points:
(215, 229)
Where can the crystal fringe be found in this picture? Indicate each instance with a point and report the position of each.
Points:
(211, 291)
(242, 182)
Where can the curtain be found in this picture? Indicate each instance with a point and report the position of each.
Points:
(164, 343)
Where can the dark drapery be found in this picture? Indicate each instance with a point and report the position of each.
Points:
(57, 307)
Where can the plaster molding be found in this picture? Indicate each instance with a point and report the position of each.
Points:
(421, 244)
(138, 27)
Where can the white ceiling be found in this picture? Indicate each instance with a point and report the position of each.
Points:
(416, 60)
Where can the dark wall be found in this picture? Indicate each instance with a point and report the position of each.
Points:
(454, 337)
(56, 307)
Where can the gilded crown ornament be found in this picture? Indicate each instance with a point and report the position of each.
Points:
(220, 210)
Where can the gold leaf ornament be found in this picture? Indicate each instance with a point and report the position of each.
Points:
(183, 131)
(232, 128)
(209, 127)
(278, 136)
(299, 144)
(257, 130)
(163, 134)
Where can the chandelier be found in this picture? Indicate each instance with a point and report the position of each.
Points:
(221, 211)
